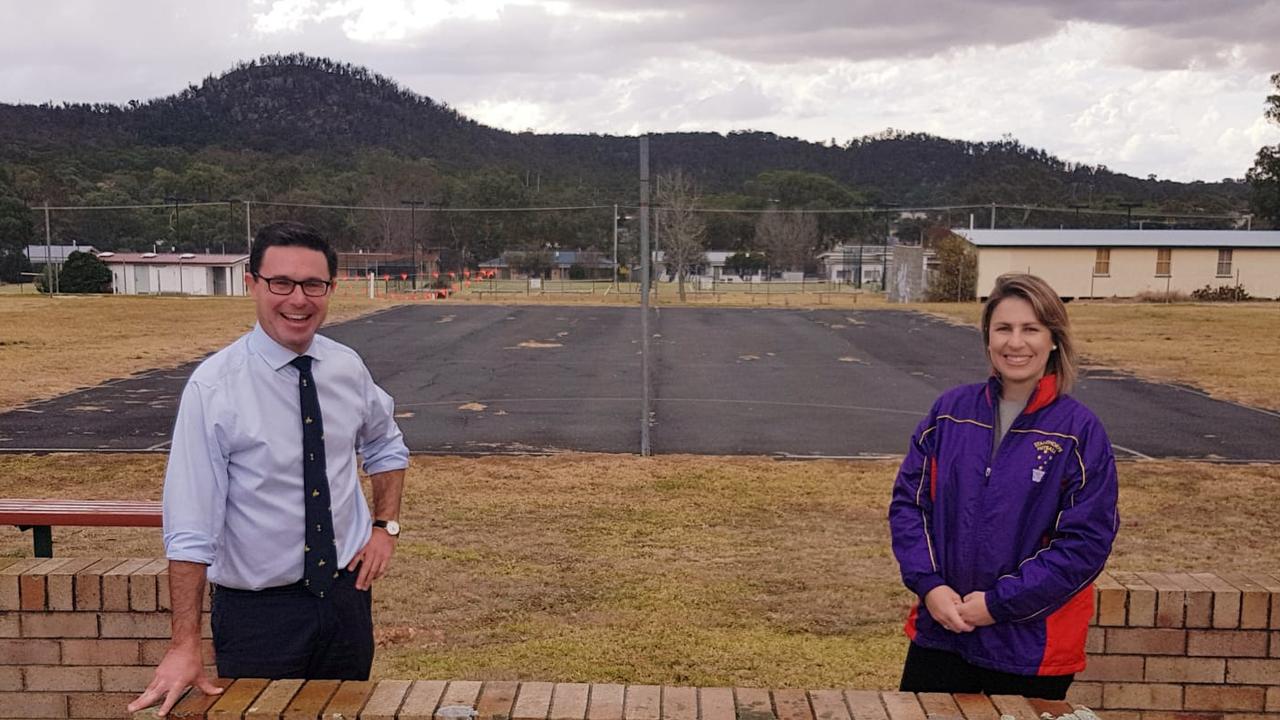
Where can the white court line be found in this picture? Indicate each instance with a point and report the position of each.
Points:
(1134, 453)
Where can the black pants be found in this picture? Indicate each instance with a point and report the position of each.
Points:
(286, 632)
(929, 670)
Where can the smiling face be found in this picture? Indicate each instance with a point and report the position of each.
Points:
(1019, 346)
(291, 320)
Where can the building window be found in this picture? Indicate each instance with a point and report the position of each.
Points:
(1224, 263)
(1102, 262)
(1164, 260)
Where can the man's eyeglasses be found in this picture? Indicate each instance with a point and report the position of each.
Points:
(285, 286)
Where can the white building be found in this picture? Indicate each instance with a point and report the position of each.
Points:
(1125, 263)
(173, 273)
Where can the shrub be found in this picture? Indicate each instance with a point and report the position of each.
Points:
(1222, 293)
(1162, 296)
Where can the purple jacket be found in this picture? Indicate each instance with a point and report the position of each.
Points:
(1031, 527)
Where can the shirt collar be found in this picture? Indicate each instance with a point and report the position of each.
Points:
(275, 354)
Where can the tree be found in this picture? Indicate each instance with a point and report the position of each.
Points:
(681, 227)
(788, 238)
(84, 273)
(957, 275)
(16, 231)
(534, 263)
(1264, 176)
(744, 263)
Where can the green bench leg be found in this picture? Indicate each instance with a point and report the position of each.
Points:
(42, 536)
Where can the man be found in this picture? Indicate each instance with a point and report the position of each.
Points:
(261, 495)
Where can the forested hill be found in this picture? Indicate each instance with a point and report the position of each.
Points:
(297, 104)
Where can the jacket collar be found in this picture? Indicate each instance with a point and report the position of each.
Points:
(1045, 393)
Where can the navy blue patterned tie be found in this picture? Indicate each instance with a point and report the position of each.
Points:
(320, 556)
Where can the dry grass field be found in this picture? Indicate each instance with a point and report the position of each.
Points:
(676, 569)
(52, 345)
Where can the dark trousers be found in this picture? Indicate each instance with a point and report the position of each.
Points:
(286, 632)
(929, 670)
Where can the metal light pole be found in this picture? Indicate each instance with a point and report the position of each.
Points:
(615, 247)
(644, 296)
(1128, 208)
(413, 234)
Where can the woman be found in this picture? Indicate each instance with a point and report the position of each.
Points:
(1004, 512)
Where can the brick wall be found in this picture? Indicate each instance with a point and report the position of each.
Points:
(1184, 646)
(80, 637)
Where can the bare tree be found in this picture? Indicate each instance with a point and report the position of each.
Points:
(787, 238)
(682, 229)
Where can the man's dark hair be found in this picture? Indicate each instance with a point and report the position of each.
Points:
(290, 234)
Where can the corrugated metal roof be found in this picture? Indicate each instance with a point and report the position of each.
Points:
(1241, 239)
(172, 259)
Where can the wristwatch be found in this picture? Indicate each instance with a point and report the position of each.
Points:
(391, 526)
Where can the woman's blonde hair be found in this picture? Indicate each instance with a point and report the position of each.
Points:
(1049, 310)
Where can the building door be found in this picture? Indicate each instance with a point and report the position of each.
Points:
(141, 279)
(218, 280)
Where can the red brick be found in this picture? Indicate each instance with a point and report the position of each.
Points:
(45, 678)
(1226, 600)
(153, 651)
(61, 583)
(1186, 670)
(1146, 641)
(88, 584)
(29, 652)
(1182, 715)
(679, 703)
(1198, 608)
(142, 586)
(1096, 640)
(1170, 599)
(100, 652)
(569, 701)
(1272, 584)
(59, 625)
(32, 585)
(827, 705)
(385, 700)
(1113, 668)
(1253, 672)
(1273, 699)
(1223, 697)
(1275, 644)
(33, 705)
(978, 707)
(311, 699)
(643, 702)
(1227, 643)
(793, 705)
(1112, 598)
(1255, 601)
(1141, 599)
(865, 705)
(532, 702)
(10, 678)
(347, 701)
(10, 582)
(1145, 696)
(93, 705)
(606, 701)
(461, 692)
(716, 704)
(115, 584)
(1014, 706)
(260, 699)
(902, 706)
(127, 679)
(498, 696)
(135, 625)
(753, 704)
(937, 706)
(9, 626)
(1088, 694)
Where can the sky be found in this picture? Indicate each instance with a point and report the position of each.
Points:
(1165, 87)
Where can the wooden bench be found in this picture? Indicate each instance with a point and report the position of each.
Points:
(41, 515)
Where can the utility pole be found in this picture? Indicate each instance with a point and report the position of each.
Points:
(51, 284)
(1128, 209)
(615, 247)
(248, 228)
(413, 235)
(644, 296)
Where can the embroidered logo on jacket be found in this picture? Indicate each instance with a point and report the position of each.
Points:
(1045, 450)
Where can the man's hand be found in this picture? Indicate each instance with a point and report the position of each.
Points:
(944, 605)
(974, 610)
(180, 669)
(373, 558)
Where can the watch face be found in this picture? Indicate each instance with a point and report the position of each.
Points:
(393, 528)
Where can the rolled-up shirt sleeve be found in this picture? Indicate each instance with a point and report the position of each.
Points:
(195, 482)
(380, 442)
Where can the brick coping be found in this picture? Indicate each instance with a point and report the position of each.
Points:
(529, 700)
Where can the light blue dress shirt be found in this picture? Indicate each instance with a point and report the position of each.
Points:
(233, 497)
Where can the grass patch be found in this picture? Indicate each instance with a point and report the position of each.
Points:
(1224, 349)
(675, 569)
(53, 345)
